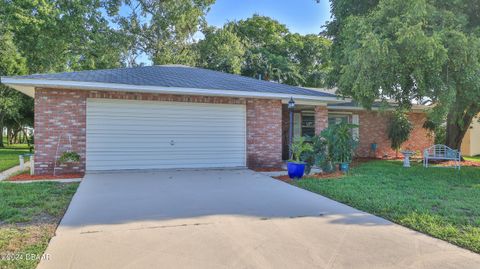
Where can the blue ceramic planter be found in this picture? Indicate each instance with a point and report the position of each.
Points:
(295, 170)
(344, 167)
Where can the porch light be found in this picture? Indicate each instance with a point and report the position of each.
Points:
(291, 104)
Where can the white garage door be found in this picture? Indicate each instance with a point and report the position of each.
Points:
(125, 134)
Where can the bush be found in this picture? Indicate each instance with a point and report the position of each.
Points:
(334, 145)
(399, 129)
(340, 141)
(318, 155)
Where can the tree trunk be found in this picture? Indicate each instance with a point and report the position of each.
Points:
(1, 136)
(457, 126)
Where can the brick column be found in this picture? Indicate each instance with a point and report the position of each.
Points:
(321, 118)
(58, 113)
(264, 133)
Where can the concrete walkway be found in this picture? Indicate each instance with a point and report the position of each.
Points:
(7, 173)
(230, 219)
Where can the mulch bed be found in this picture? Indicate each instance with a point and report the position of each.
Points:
(333, 175)
(23, 177)
(463, 163)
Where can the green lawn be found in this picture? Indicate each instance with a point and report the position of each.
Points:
(473, 159)
(29, 215)
(9, 155)
(440, 202)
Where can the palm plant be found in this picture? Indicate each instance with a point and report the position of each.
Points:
(299, 148)
(340, 142)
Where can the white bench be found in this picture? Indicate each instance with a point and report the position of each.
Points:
(442, 153)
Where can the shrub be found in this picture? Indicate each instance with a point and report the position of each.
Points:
(399, 129)
(317, 156)
(340, 142)
(335, 144)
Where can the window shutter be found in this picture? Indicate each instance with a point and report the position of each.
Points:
(297, 125)
(356, 132)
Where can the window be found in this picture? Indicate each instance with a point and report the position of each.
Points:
(308, 125)
(337, 119)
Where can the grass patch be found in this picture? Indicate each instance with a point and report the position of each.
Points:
(22, 203)
(473, 159)
(29, 214)
(440, 202)
(9, 156)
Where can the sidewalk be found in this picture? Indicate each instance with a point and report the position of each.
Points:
(7, 173)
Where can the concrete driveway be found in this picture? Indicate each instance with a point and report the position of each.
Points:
(230, 219)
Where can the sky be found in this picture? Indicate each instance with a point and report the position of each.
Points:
(300, 16)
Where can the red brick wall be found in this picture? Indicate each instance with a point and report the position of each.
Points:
(321, 119)
(373, 128)
(165, 97)
(58, 114)
(64, 111)
(264, 133)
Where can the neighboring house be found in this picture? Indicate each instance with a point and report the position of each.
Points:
(181, 117)
(471, 140)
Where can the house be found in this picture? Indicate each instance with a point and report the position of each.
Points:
(471, 140)
(158, 117)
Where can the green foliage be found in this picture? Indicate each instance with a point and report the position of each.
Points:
(410, 51)
(59, 35)
(15, 108)
(299, 148)
(318, 155)
(268, 50)
(221, 50)
(335, 144)
(399, 129)
(437, 202)
(69, 157)
(438, 129)
(340, 143)
(167, 35)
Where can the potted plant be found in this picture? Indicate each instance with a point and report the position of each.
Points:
(341, 144)
(319, 156)
(296, 166)
(69, 157)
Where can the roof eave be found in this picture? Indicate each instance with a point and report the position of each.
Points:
(28, 86)
(415, 108)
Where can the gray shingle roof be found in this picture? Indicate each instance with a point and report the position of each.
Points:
(178, 76)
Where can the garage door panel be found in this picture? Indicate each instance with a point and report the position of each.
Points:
(167, 158)
(137, 135)
(181, 127)
(230, 142)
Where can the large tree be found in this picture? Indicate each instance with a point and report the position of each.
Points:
(12, 102)
(52, 36)
(408, 51)
(310, 54)
(273, 53)
(220, 50)
(163, 29)
(62, 35)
